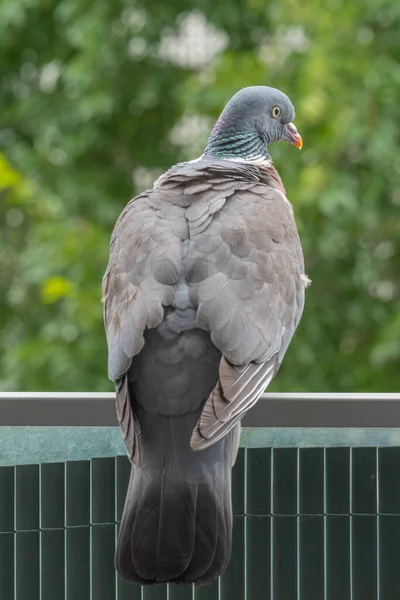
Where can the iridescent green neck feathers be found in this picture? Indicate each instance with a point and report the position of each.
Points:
(245, 145)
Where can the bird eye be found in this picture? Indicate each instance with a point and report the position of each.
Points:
(275, 112)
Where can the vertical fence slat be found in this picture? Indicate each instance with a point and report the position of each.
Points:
(338, 558)
(364, 481)
(285, 481)
(258, 483)
(52, 495)
(103, 490)
(311, 550)
(27, 565)
(52, 566)
(78, 563)
(389, 480)
(258, 543)
(180, 592)
(102, 567)
(27, 497)
(207, 592)
(364, 557)
(389, 548)
(155, 592)
(285, 558)
(311, 484)
(7, 541)
(128, 591)
(6, 499)
(338, 481)
(78, 493)
(232, 581)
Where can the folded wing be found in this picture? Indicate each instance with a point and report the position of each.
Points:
(145, 256)
(251, 301)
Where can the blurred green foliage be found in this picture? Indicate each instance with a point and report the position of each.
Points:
(97, 98)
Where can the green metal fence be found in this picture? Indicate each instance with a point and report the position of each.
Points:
(310, 524)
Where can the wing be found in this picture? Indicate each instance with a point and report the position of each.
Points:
(144, 264)
(250, 293)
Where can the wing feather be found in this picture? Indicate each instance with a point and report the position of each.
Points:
(253, 311)
(144, 265)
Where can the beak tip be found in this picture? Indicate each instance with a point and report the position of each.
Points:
(293, 136)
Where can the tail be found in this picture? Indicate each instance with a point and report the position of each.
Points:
(177, 519)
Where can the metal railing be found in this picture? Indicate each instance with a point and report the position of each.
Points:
(272, 410)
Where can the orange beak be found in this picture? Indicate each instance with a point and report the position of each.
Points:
(292, 135)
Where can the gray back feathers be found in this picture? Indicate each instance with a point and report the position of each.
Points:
(217, 239)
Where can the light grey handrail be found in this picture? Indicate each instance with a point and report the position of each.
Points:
(272, 410)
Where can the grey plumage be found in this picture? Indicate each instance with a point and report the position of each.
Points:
(203, 292)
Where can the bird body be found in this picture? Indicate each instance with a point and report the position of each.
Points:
(203, 292)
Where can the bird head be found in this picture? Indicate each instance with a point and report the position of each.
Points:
(253, 118)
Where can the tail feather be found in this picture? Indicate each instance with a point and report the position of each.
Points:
(206, 538)
(213, 536)
(177, 522)
(162, 537)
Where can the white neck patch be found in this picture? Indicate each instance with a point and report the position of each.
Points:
(254, 160)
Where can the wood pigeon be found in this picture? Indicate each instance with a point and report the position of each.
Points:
(202, 294)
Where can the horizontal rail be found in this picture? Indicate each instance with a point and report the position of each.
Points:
(272, 410)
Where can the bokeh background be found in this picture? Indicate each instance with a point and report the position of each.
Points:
(97, 98)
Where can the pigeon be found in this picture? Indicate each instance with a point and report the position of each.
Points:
(202, 294)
